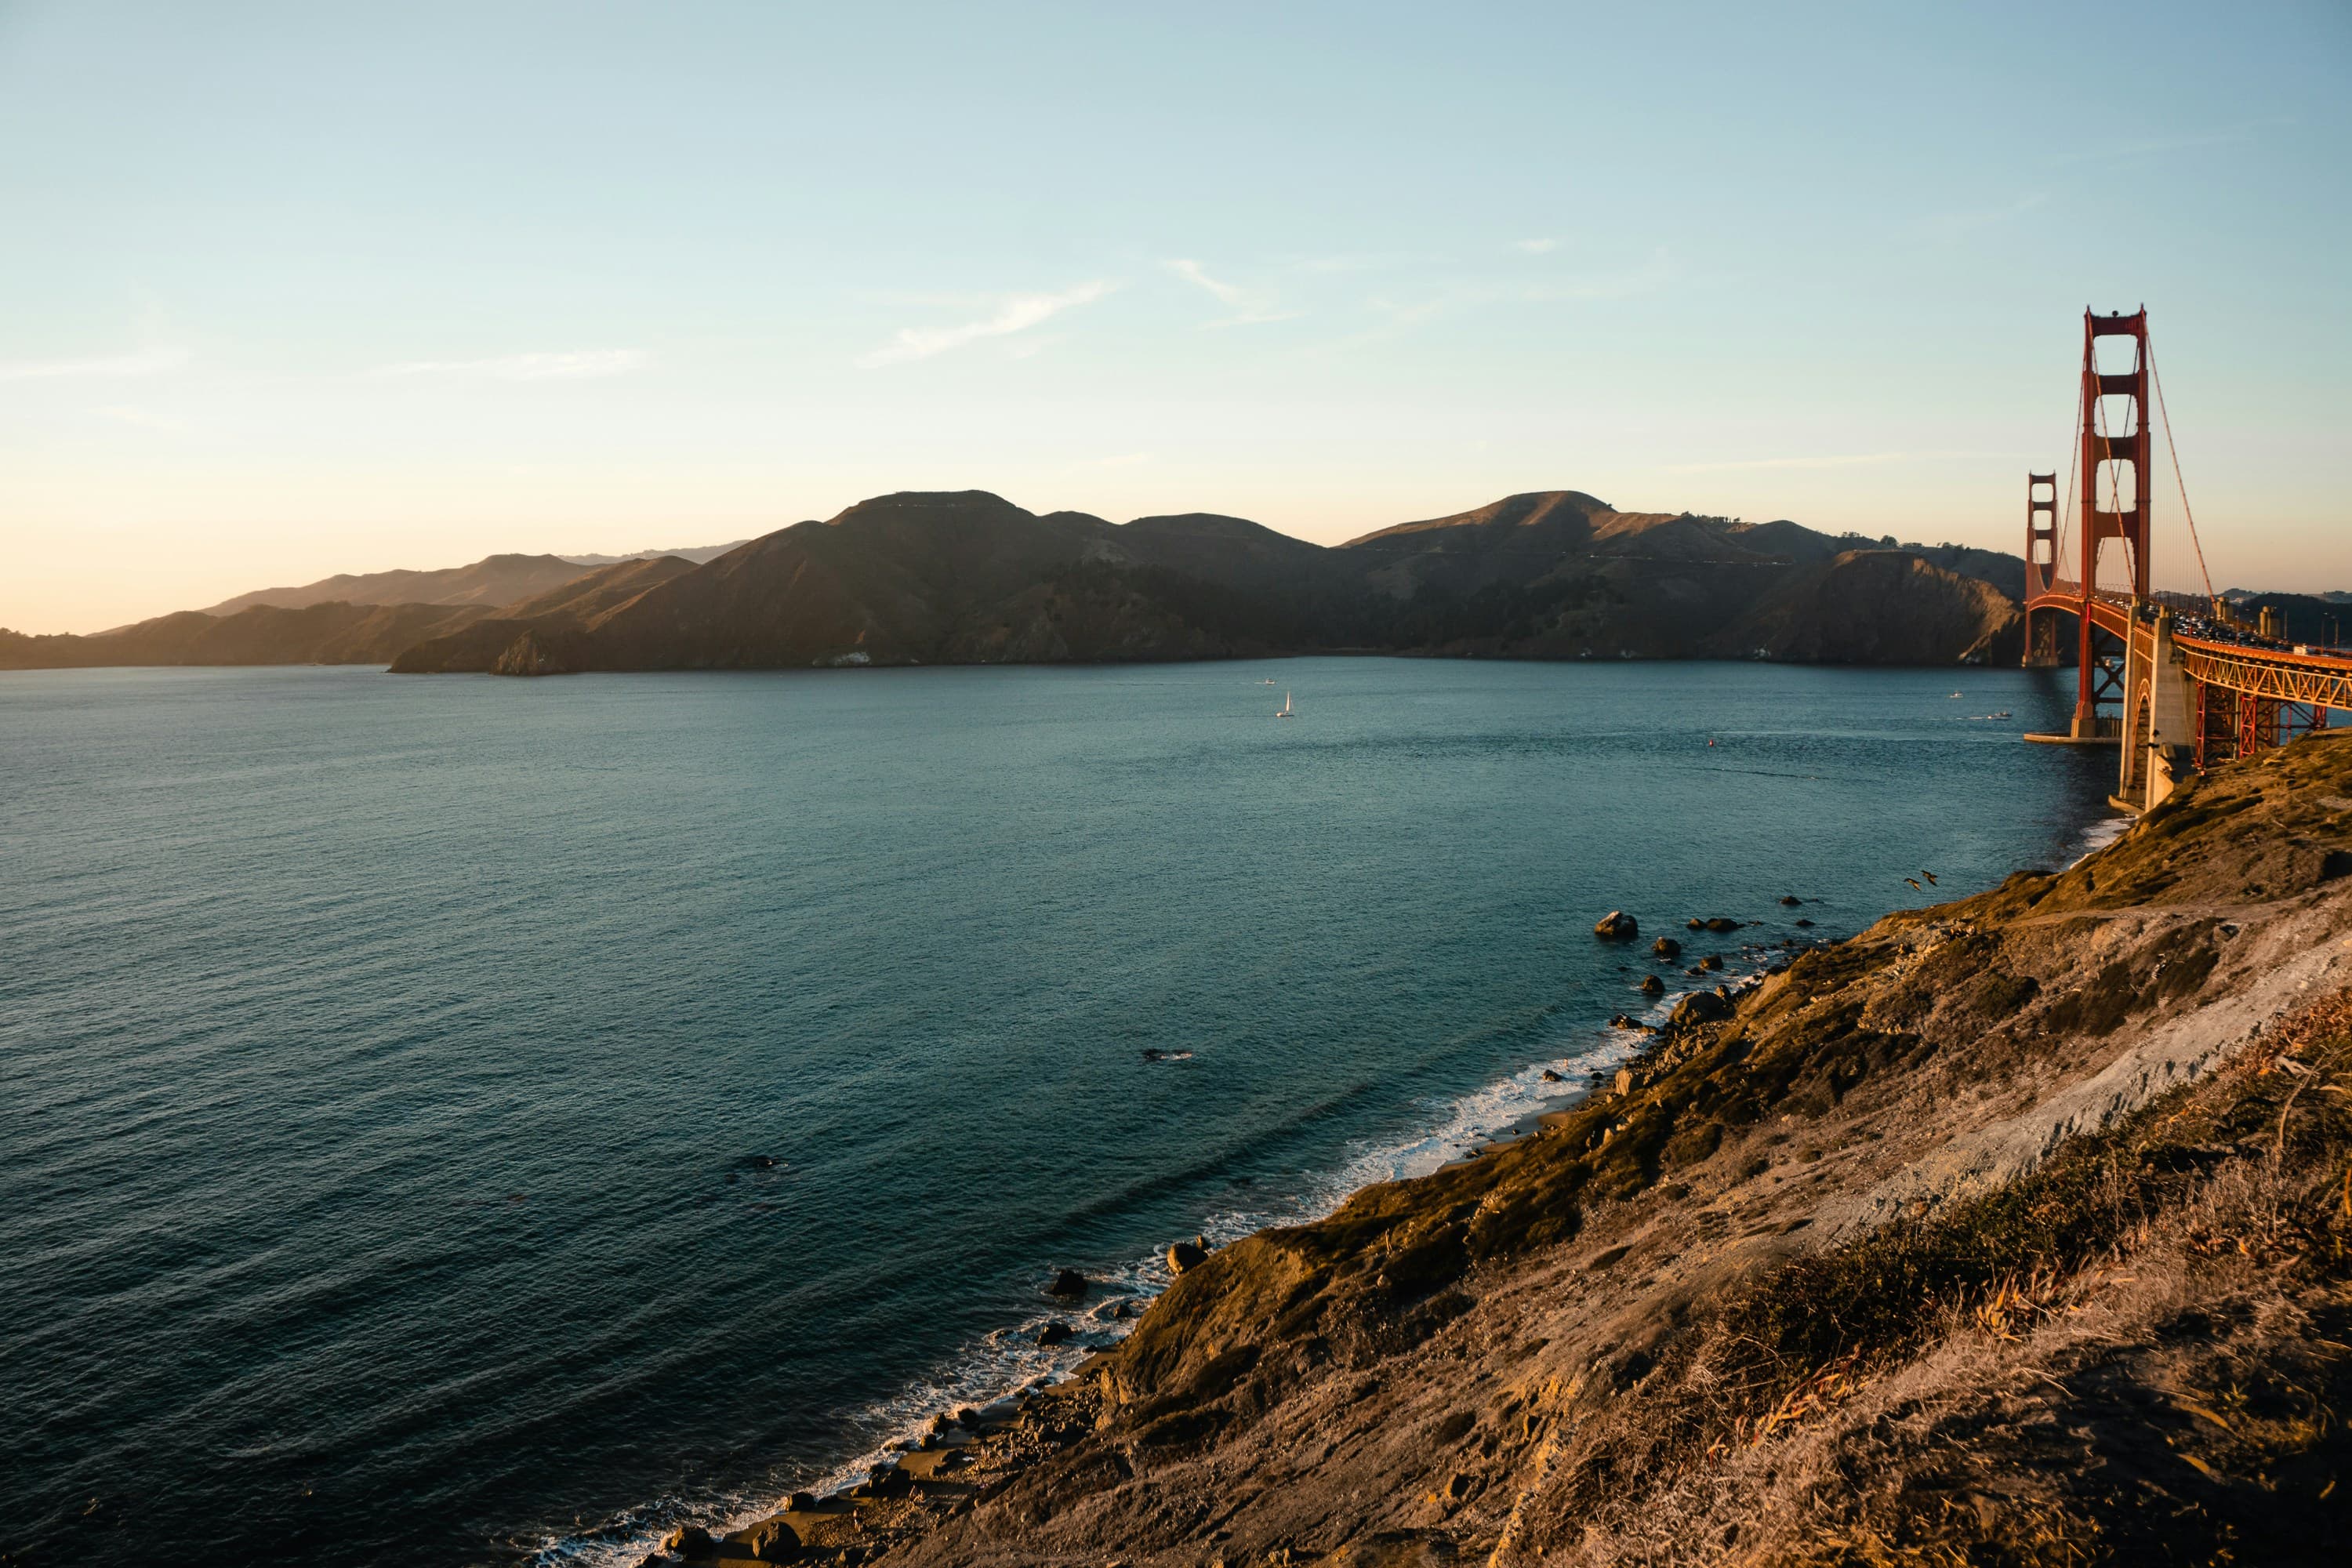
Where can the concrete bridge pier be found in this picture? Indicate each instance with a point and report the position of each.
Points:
(2160, 738)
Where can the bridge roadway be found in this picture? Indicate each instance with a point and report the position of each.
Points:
(2194, 688)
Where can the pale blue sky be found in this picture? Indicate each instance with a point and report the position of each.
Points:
(294, 288)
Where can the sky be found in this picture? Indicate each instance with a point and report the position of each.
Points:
(292, 289)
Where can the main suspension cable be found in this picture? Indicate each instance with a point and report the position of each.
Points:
(2165, 415)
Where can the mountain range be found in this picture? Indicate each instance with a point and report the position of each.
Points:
(966, 577)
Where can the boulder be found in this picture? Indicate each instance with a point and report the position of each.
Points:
(1666, 947)
(1053, 1333)
(801, 1502)
(1653, 986)
(775, 1542)
(1712, 961)
(1625, 1081)
(1068, 1282)
(1695, 923)
(890, 1480)
(1551, 1076)
(690, 1540)
(1791, 900)
(1719, 923)
(1616, 926)
(1186, 1255)
(1702, 1007)
(1804, 922)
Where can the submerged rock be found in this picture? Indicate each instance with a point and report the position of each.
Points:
(1791, 898)
(1720, 922)
(1616, 926)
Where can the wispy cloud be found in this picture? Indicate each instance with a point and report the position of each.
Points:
(1535, 246)
(1016, 314)
(1249, 307)
(577, 365)
(1194, 272)
(149, 361)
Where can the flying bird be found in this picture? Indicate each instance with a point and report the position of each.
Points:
(1915, 884)
(1930, 876)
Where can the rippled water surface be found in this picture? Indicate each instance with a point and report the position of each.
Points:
(387, 1061)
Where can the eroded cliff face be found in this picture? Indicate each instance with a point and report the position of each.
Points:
(2016, 1229)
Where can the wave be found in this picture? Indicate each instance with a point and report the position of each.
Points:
(996, 1368)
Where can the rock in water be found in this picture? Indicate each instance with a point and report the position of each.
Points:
(1551, 1076)
(1695, 923)
(1791, 898)
(1616, 926)
(1186, 1255)
(1720, 922)
(1068, 1282)
(1053, 1333)
(690, 1540)
(1653, 986)
(775, 1542)
(1712, 961)
(1666, 947)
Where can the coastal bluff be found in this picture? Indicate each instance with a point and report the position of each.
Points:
(2015, 1229)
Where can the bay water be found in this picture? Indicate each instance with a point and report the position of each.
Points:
(463, 1121)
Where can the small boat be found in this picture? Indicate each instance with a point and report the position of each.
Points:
(1283, 712)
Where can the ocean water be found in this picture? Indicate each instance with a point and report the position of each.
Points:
(393, 1066)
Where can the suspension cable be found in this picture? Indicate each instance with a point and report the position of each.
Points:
(2165, 417)
(2066, 517)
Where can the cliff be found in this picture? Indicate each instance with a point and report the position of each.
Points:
(2013, 1230)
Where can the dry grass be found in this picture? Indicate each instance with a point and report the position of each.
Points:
(2140, 1354)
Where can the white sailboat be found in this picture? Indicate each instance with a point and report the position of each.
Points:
(1284, 713)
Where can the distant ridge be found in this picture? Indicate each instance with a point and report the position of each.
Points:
(696, 553)
(967, 577)
(494, 580)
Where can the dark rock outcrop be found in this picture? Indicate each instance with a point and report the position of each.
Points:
(1616, 926)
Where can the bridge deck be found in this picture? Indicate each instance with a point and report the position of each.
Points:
(2220, 655)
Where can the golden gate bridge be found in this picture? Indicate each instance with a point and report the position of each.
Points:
(2178, 682)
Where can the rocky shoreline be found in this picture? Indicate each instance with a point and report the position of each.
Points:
(2006, 1230)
